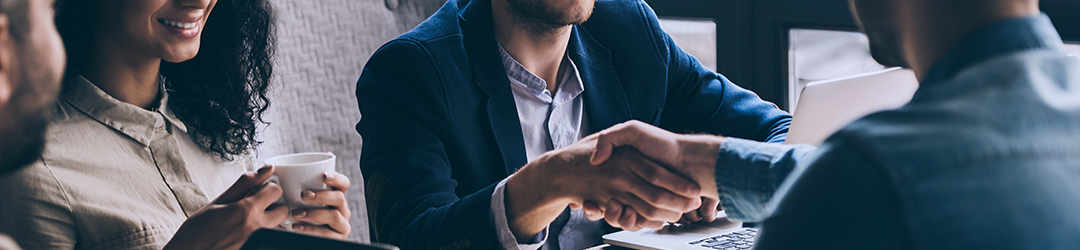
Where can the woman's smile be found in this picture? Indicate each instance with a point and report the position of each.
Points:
(186, 27)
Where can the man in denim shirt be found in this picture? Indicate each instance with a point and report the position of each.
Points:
(985, 156)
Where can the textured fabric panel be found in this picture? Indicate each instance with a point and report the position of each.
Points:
(322, 47)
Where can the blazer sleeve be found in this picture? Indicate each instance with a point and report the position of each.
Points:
(405, 117)
(702, 101)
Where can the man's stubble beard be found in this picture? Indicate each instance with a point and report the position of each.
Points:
(541, 18)
(31, 106)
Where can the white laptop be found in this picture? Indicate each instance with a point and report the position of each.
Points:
(721, 232)
(827, 106)
(824, 107)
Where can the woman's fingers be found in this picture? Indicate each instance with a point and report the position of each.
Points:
(320, 216)
(320, 230)
(274, 216)
(336, 180)
(247, 184)
(264, 197)
(332, 198)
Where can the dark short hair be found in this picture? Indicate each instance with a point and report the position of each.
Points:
(18, 20)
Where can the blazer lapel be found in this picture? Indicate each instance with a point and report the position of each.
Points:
(491, 77)
(605, 100)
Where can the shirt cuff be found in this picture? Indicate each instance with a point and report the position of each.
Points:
(748, 173)
(502, 227)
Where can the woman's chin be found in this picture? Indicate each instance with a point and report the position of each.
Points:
(179, 58)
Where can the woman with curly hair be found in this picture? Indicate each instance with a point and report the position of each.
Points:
(157, 116)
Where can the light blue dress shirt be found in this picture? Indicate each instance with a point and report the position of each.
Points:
(548, 122)
(985, 156)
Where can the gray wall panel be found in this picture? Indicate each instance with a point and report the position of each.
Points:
(322, 48)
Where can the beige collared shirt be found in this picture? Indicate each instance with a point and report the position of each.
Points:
(113, 176)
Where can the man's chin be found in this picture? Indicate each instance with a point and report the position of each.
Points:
(537, 15)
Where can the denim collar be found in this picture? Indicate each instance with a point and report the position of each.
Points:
(1002, 38)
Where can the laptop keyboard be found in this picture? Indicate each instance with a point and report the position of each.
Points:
(738, 240)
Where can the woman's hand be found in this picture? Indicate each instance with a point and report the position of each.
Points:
(228, 221)
(332, 221)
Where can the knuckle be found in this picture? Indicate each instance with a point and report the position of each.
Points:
(649, 212)
(652, 176)
(242, 205)
(339, 196)
(273, 189)
(658, 197)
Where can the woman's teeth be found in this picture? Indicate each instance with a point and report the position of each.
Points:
(177, 24)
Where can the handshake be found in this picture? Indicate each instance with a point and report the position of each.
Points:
(633, 175)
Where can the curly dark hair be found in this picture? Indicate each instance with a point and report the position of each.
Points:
(221, 93)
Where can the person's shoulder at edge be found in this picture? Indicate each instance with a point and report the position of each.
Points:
(446, 21)
(884, 130)
(844, 192)
(39, 214)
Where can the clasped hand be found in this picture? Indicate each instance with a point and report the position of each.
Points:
(637, 188)
(691, 156)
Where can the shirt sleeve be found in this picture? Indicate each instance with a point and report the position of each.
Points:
(35, 211)
(502, 226)
(840, 198)
(748, 173)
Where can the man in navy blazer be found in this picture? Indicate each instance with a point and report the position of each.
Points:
(458, 114)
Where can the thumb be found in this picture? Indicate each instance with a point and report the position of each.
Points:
(247, 182)
(592, 211)
(611, 138)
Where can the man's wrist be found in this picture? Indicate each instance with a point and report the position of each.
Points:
(698, 157)
(529, 202)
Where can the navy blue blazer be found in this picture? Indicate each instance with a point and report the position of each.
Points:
(439, 120)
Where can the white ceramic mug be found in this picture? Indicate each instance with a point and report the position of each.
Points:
(296, 173)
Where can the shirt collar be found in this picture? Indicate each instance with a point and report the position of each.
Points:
(1005, 37)
(133, 121)
(569, 88)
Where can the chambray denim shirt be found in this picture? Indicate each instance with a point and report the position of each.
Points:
(985, 156)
